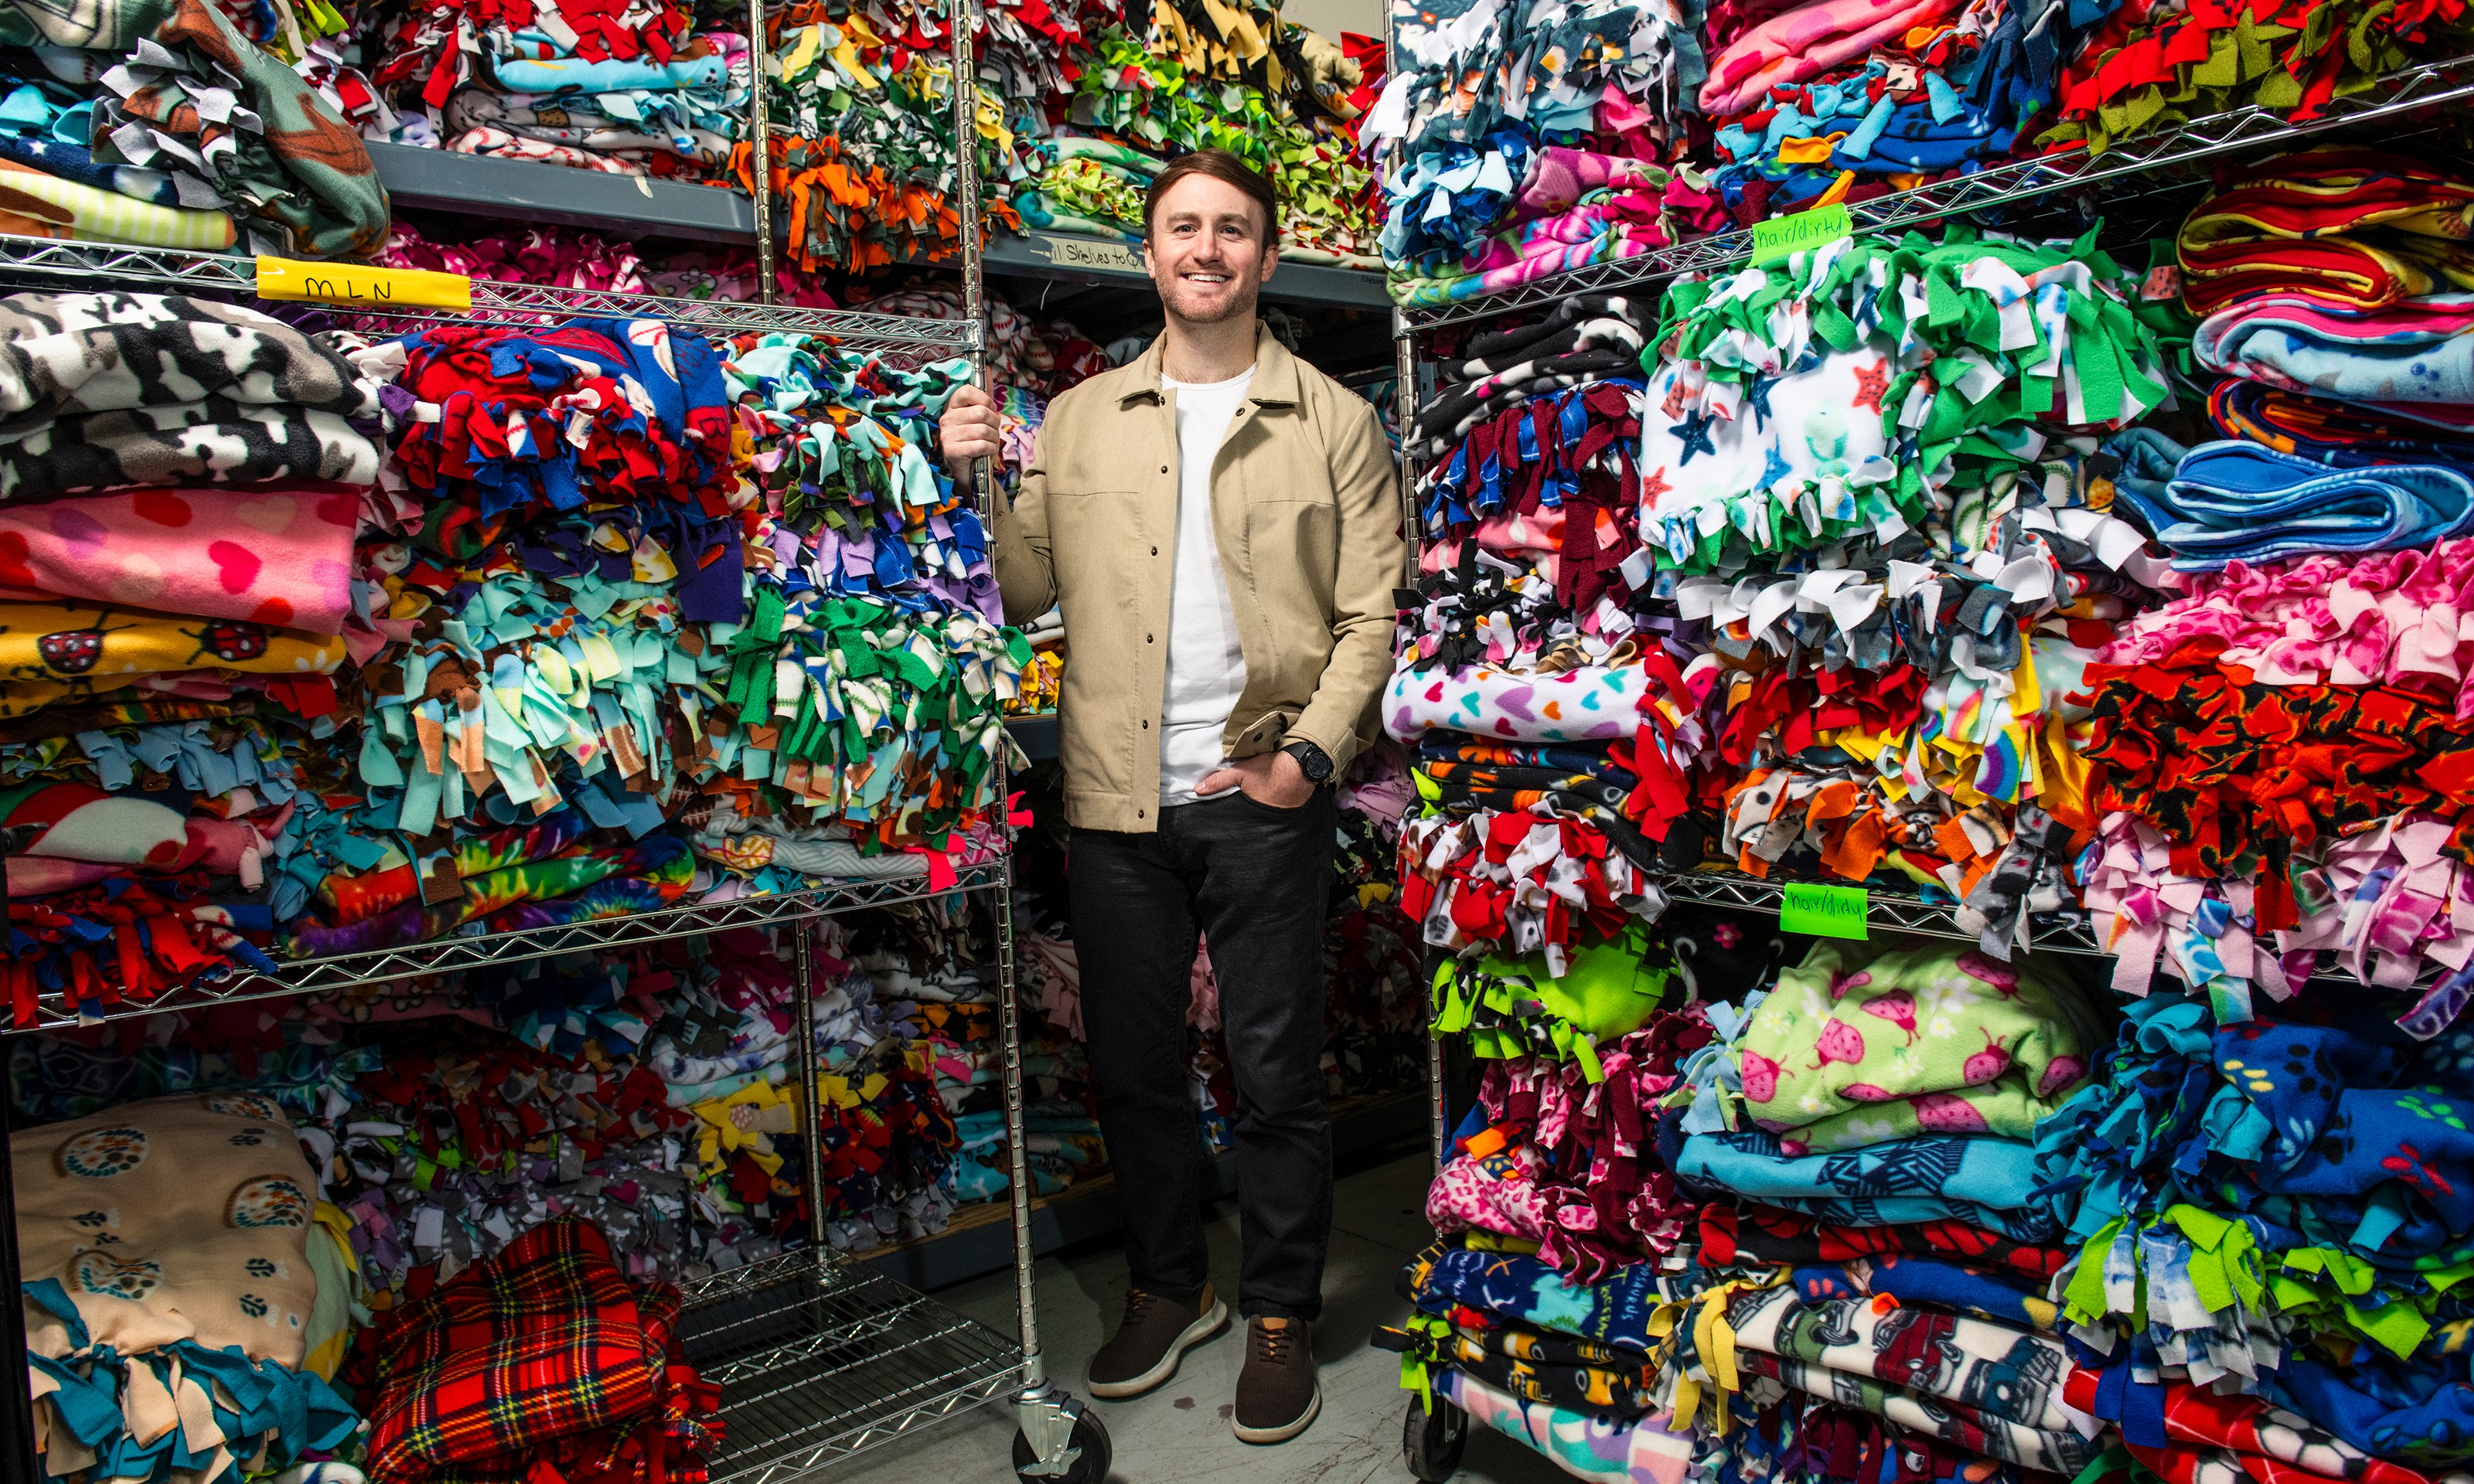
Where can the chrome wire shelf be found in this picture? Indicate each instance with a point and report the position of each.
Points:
(104, 265)
(2061, 932)
(819, 1358)
(2054, 932)
(443, 955)
(2407, 90)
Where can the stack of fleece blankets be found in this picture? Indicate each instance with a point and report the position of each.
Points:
(930, 964)
(2268, 1219)
(1864, 485)
(1787, 1233)
(2321, 530)
(1535, 139)
(1466, 219)
(164, 124)
(574, 548)
(1158, 94)
(862, 696)
(631, 89)
(1545, 720)
(867, 166)
(1841, 99)
(186, 601)
(2148, 64)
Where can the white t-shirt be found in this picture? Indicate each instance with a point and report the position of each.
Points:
(1206, 667)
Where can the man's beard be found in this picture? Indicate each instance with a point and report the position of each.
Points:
(1239, 305)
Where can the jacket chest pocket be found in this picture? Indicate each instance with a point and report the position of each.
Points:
(1089, 531)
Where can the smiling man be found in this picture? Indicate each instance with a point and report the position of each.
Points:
(1221, 525)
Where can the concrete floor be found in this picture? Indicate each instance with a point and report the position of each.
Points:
(1180, 1433)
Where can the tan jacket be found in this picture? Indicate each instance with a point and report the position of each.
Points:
(1306, 506)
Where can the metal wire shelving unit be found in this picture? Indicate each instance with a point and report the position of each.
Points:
(819, 1357)
(2142, 177)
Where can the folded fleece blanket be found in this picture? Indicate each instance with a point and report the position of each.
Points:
(171, 1318)
(66, 354)
(1857, 1046)
(2358, 227)
(1592, 703)
(2416, 351)
(2342, 434)
(203, 101)
(213, 441)
(2232, 501)
(277, 555)
(36, 204)
(1985, 1181)
(1585, 1445)
(59, 641)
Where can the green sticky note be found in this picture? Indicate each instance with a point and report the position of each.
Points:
(1825, 911)
(1781, 237)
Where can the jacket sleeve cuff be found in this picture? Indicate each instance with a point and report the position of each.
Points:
(1340, 747)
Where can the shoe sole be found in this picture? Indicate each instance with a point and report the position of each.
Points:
(1286, 1430)
(1208, 1327)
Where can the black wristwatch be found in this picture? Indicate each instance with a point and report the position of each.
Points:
(1315, 763)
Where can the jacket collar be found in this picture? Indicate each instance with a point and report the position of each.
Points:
(1276, 373)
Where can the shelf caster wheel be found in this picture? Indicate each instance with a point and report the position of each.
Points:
(1075, 1443)
(1432, 1442)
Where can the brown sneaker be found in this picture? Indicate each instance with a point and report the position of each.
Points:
(1158, 1332)
(1278, 1396)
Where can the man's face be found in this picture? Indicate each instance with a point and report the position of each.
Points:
(1208, 252)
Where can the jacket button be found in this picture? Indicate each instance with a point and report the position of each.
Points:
(1146, 726)
(1163, 468)
(1155, 551)
(1147, 638)
(1138, 814)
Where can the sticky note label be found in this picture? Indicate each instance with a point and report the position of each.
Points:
(1825, 911)
(353, 283)
(1781, 237)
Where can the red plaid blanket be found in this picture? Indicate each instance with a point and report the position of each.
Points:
(540, 1365)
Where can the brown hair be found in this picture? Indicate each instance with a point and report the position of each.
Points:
(1219, 165)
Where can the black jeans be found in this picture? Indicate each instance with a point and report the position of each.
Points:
(1256, 881)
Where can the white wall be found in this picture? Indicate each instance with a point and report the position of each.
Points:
(1331, 18)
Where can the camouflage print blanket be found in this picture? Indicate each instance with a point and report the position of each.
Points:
(106, 390)
(64, 354)
(216, 441)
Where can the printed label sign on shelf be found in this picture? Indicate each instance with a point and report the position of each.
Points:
(1090, 252)
(1782, 237)
(1826, 911)
(356, 283)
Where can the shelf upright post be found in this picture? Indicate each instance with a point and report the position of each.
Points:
(759, 130)
(16, 1400)
(813, 1161)
(1047, 1415)
(965, 22)
(1405, 395)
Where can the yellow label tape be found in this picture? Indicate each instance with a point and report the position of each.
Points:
(353, 283)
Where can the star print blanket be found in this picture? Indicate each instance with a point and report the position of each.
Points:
(1786, 460)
